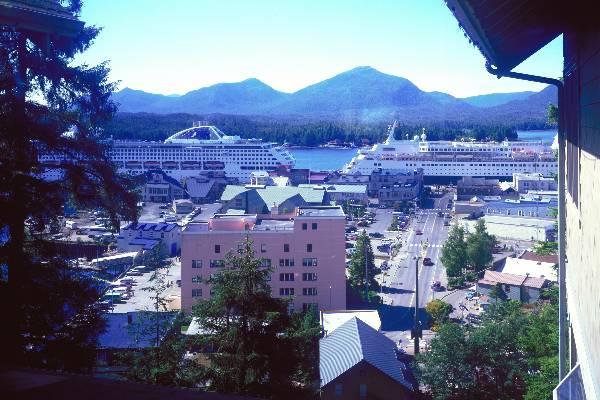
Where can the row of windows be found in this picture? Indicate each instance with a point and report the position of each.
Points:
(305, 291)
(263, 247)
(313, 226)
(265, 263)
(290, 277)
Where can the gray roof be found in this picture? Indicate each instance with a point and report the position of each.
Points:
(140, 333)
(353, 342)
(275, 194)
(195, 188)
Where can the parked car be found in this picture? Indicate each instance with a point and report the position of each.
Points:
(376, 235)
(440, 214)
(349, 245)
(418, 232)
(446, 223)
(382, 206)
(384, 248)
(350, 229)
(349, 252)
(427, 261)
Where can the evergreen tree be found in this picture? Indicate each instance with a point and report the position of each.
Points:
(361, 272)
(454, 252)
(252, 352)
(49, 104)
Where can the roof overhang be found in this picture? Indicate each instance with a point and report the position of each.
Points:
(507, 32)
(42, 16)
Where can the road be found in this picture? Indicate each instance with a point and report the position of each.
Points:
(399, 284)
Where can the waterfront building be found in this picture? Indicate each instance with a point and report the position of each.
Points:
(507, 34)
(264, 200)
(161, 188)
(393, 186)
(147, 235)
(340, 194)
(523, 183)
(305, 249)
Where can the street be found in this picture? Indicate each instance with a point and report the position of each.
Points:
(399, 281)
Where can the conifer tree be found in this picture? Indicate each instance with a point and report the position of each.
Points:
(48, 104)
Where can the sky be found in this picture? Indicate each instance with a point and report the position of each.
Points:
(172, 47)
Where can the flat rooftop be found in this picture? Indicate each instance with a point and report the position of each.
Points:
(321, 211)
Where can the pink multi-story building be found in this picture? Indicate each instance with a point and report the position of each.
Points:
(305, 249)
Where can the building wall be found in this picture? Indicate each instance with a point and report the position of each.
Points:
(513, 294)
(378, 385)
(581, 108)
(168, 238)
(328, 247)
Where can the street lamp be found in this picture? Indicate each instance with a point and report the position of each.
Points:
(330, 297)
(416, 332)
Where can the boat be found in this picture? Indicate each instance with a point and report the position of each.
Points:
(453, 158)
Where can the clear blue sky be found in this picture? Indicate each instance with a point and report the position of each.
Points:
(180, 45)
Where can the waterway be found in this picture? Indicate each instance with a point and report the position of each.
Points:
(321, 159)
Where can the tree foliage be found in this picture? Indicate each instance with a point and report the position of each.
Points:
(363, 272)
(454, 252)
(512, 355)
(480, 245)
(439, 311)
(48, 103)
(257, 350)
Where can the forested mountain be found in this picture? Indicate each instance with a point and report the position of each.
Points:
(495, 99)
(361, 95)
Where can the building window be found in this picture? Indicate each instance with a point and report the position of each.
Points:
(286, 291)
(309, 248)
(217, 248)
(309, 262)
(196, 292)
(304, 226)
(197, 279)
(196, 263)
(217, 263)
(363, 390)
(286, 262)
(290, 307)
(309, 276)
(265, 263)
(310, 307)
(263, 248)
(286, 248)
(314, 226)
(286, 277)
(311, 291)
(507, 288)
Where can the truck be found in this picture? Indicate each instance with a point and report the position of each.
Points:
(71, 224)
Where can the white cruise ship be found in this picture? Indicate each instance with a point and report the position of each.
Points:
(454, 159)
(191, 152)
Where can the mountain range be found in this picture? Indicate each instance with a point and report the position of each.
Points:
(362, 94)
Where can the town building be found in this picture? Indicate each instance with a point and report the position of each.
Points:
(305, 249)
(331, 320)
(526, 289)
(263, 200)
(147, 235)
(530, 255)
(535, 269)
(161, 188)
(395, 185)
(202, 190)
(507, 34)
(339, 194)
(523, 183)
(517, 228)
(183, 206)
(358, 362)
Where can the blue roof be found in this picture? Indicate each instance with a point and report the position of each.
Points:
(133, 330)
(353, 342)
(152, 226)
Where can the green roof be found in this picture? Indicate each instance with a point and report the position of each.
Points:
(275, 194)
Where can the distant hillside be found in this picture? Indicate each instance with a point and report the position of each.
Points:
(495, 99)
(362, 95)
